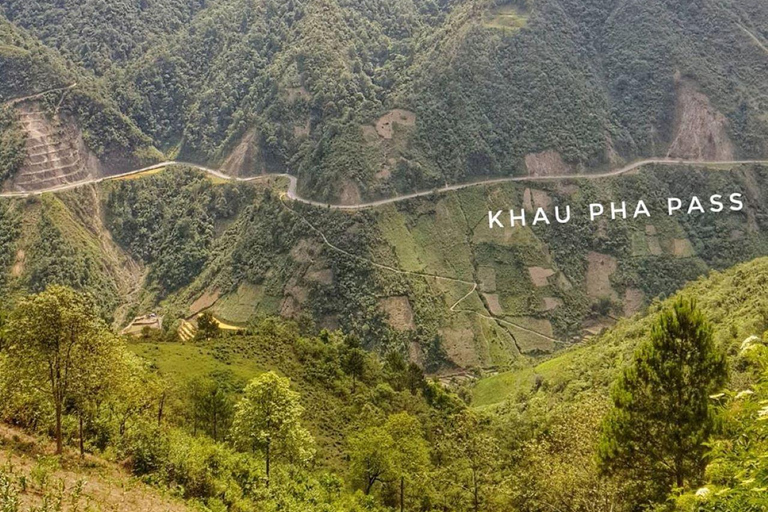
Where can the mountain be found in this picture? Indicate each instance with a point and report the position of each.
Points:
(369, 99)
(427, 276)
(58, 125)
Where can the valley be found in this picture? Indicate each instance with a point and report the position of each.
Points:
(249, 259)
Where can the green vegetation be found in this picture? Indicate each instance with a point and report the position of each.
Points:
(486, 82)
(240, 252)
(662, 418)
(237, 432)
(172, 231)
(12, 150)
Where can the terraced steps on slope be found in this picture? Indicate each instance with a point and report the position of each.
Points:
(56, 152)
(187, 331)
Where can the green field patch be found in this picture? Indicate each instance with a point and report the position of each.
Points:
(183, 362)
(240, 306)
(506, 17)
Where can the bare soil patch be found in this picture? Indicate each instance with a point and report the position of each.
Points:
(682, 248)
(399, 313)
(540, 276)
(56, 152)
(350, 193)
(546, 163)
(18, 265)
(385, 124)
(552, 303)
(106, 487)
(633, 301)
(205, 301)
(563, 282)
(533, 199)
(244, 159)
(302, 130)
(701, 132)
(321, 275)
(460, 347)
(601, 268)
(494, 306)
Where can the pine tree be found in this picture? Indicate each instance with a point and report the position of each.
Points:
(662, 414)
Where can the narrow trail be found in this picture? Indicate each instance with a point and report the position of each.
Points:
(16, 101)
(754, 38)
(395, 270)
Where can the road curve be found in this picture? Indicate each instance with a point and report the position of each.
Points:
(293, 195)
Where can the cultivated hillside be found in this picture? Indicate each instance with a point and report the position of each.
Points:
(425, 276)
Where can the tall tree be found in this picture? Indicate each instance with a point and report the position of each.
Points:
(268, 420)
(211, 406)
(662, 415)
(394, 454)
(470, 456)
(54, 341)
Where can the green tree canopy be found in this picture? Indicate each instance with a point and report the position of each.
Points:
(268, 420)
(57, 346)
(662, 415)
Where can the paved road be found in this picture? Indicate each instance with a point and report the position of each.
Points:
(293, 195)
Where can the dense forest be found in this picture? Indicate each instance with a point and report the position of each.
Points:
(285, 417)
(374, 98)
(214, 345)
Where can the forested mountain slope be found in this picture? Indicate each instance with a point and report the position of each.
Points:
(57, 122)
(426, 277)
(372, 98)
(564, 399)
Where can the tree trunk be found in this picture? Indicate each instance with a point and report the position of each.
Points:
(267, 458)
(82, 444)
(59, 441)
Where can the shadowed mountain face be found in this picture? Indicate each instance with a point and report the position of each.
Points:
(372, 98)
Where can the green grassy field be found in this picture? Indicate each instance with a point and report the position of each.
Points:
(185, 361)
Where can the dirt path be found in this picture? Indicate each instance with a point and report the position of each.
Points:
(389, 268)
(754, 38)
(293, 195)
(16, 101)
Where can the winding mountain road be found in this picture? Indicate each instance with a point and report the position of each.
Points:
(293, 195)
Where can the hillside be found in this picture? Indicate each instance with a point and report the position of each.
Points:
(410, 95)
(733, 300)
(544, 433)
(424, 276)
(57, 123)
(31, 478)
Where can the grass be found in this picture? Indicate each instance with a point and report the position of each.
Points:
(182, 361)
(506, 17)
(495, 389)
(139, 175)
